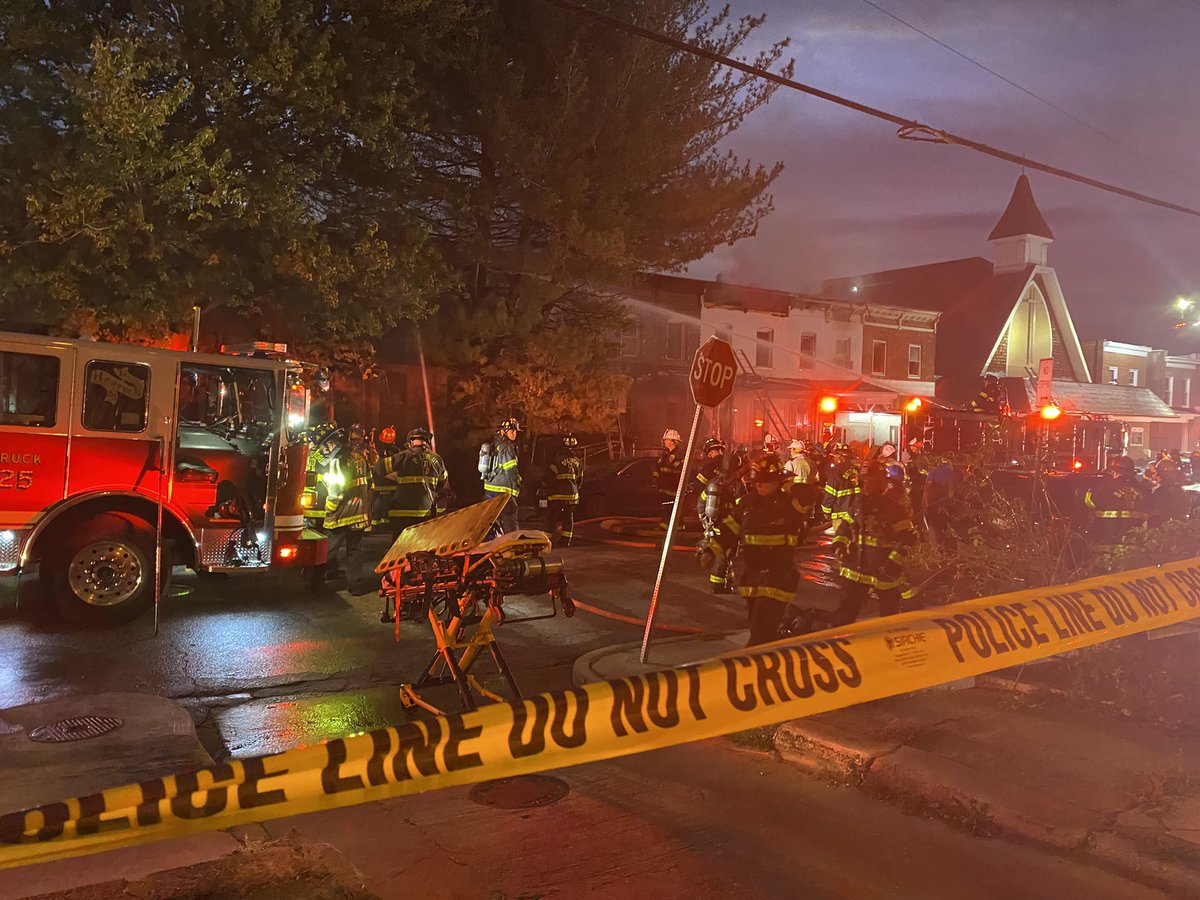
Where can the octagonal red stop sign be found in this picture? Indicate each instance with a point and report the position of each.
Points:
(713, 372)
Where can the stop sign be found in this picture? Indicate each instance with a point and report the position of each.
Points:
(713, 372)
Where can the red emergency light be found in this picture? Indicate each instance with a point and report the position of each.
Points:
(828, 404)
(287, 551)
(758, 423)
(1050, 412)
(914, 404)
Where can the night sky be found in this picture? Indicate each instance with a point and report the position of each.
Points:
(854, 198)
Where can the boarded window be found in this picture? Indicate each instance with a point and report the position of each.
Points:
(764, 348)
(878, 357)
(28, 389)
(631, 339)
(842, 353)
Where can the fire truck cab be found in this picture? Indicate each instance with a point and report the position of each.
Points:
(118, 462)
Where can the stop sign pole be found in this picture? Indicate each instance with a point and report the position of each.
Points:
(713, 372)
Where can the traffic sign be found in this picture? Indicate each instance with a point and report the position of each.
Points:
(714, 370)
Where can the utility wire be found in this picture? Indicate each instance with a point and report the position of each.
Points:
(908, 129)
(1024, 90)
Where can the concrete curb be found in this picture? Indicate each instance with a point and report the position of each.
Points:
(622, 660)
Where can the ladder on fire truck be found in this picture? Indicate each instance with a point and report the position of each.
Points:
(774, 417)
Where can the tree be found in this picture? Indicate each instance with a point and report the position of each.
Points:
(255, 154)
(572, 157)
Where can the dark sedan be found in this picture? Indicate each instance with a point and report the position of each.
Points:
(620, 487)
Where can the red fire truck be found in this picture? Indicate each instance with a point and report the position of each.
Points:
(118, 462)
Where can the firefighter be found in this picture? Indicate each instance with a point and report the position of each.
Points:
(716, 483)
(871, 542)
(771, 444)
(666, 472)
(988, 398)
(710, 470)
(385, 488)
(763, 528)
(314, 474)
(800, 465)
(419, 481)
(841, 485)
(565, 477)
(1168, 500)
(348, 505)
(1115, 504)
(498, 466)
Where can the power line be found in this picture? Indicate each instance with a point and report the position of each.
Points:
(908, 129)
(1024, 90)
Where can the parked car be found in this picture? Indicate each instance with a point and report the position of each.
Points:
(623, 487)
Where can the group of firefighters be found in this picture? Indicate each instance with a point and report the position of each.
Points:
(756, 508)
(357, 482)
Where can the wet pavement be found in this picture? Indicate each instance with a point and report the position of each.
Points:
(263, 663)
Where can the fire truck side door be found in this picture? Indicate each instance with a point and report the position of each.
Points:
(123, 418)
(36, 379)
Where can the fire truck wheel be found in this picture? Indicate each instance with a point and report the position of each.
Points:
(102, 572)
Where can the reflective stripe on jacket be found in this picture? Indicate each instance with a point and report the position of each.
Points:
(565, 477)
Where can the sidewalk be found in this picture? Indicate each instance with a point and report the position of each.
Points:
(1112, 792)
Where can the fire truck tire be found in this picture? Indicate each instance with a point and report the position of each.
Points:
(101, 572)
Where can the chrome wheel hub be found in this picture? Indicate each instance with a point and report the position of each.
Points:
(105, 573)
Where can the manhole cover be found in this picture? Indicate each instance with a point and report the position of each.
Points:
(77, 729)
(520, 792)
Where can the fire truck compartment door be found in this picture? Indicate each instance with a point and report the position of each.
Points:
(36, 379)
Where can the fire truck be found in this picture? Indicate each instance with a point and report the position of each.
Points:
(118, 462)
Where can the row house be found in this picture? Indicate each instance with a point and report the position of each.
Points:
(1173, 378)
(793, 350)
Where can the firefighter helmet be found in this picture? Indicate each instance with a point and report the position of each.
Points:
(569, 440)
(770, 439)
(387, 435)
(714, 444)
(319, 432)
(796, 446)
(1122, 464)
(672, 435)
(510, 424)
(335, 436)
(766, 467)
(419, 434)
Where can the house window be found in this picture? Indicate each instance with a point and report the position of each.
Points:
(1114, 375)
(914, 360)
(1137, 437)
(808, 349)
(1187, 393)
(631, 338)
(1170, 390)
(115, 396)
(676, 338)
(764, 348)
(842, 353)
(1133, 377)
(28, 389)
(878, 357)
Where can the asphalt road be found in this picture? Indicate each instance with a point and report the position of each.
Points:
(263, 663)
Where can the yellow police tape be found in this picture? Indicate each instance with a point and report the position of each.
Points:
(786, 680)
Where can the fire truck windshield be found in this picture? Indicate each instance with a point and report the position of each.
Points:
(229, 400)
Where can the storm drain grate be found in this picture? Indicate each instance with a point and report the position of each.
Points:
(78, 729)
(520, 792)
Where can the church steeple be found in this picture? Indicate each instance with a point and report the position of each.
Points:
(1022, 235)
